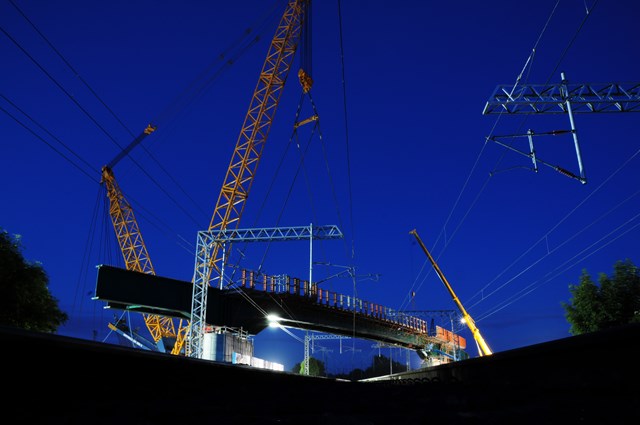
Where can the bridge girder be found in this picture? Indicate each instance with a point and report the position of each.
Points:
(244, 308)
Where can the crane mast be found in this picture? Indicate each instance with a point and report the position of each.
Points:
(137, 258)
(246, 157)
(483, 347)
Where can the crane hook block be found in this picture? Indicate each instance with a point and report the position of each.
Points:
(305, 80)
(150, 129)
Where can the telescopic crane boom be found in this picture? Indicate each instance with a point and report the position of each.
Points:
(483, 347)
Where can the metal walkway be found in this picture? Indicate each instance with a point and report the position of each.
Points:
(247, 304)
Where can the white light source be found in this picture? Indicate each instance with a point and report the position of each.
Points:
(274, 321)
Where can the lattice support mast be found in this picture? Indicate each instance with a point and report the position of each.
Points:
(308, 344)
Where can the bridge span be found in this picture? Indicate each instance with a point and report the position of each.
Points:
(253, 297)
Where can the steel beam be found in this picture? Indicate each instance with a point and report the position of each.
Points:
(269, 234)
(551, 99)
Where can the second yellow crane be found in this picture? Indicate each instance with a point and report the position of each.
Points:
(483, 348)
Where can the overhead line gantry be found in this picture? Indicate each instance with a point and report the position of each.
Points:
(560, 98)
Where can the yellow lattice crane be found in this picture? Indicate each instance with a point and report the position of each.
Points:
(246, 156)
(134, 251)
(483, 348)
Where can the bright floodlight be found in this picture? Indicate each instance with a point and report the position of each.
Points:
(274, 321)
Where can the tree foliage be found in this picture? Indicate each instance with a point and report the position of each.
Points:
(380, 365)
(615, 301)
(25, 300)
(316, 367)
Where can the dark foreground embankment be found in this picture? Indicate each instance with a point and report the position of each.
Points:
(51, 379)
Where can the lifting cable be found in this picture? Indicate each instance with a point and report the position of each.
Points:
(231, 279)
(303, 150)
(303, 153)
(305, 69)
(346, 134)
(332, 185)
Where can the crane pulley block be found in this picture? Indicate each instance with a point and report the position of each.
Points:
(150, 129)
(305, 80)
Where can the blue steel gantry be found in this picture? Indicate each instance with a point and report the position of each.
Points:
(560, 98)
(209, 242)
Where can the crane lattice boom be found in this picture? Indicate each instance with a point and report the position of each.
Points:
(137, 258)
(246, 156)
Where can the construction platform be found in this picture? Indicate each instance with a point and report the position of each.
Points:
(590, 378)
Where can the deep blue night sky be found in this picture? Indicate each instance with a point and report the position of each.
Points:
(401, 144)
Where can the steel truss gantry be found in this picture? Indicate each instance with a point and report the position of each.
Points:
(308, 346)
(209, 241)
(552, 99)
(561, 98)
(380, 345)
(272, 234)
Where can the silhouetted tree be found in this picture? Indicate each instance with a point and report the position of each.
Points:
(380, 366)
(383, 365)
(614, 302)
(316, 367)
(25, 300)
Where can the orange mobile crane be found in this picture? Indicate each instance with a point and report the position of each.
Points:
(162, 329)
(245, 158)
(483, 348)
(235, 188)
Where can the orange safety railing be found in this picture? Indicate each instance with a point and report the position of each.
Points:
(298, 287)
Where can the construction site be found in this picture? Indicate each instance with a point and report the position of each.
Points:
(224, 304)
(205, 342)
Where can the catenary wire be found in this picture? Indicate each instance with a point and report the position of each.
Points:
(564, 242)
(498, 118)
(566, 217)
(535, 285)
(544, 237)
(56, 150)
